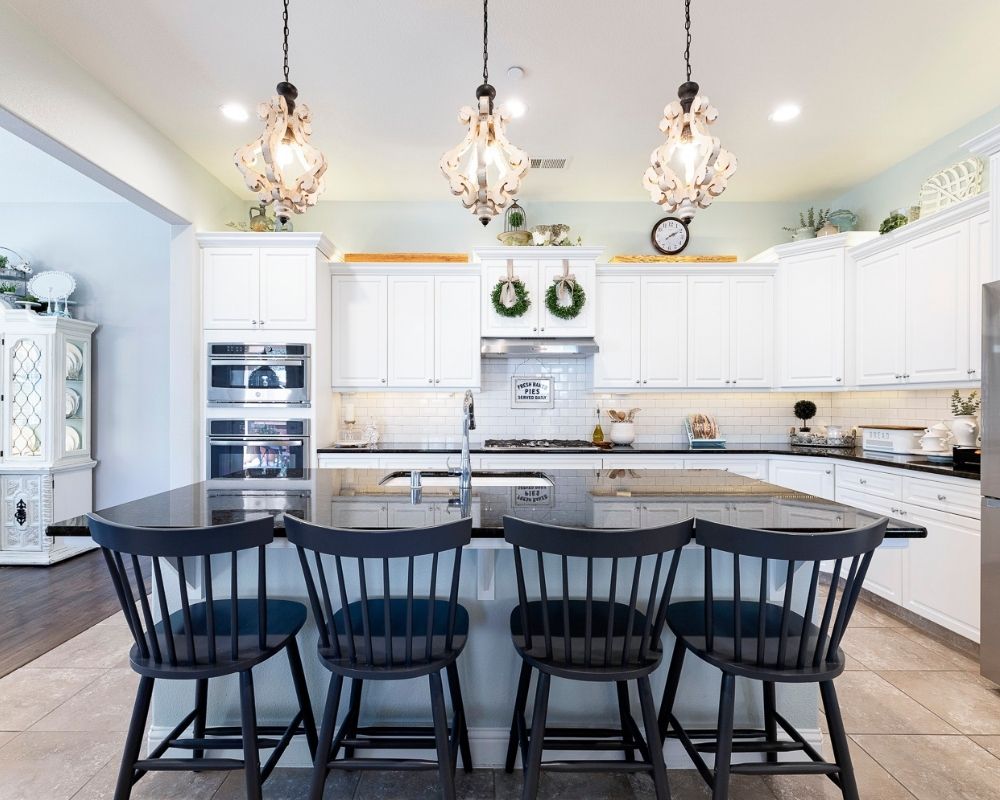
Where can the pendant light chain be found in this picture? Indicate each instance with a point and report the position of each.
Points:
(284, 19)
(486, 38)
(687, 29)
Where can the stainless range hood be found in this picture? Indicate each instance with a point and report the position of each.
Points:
(556, 348)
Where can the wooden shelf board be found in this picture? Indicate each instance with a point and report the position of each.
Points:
(643, 259)
(415, 258)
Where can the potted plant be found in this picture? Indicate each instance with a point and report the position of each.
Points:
(964, 425)
(805, 410)
(3, 262)
(810, 221)
(893, 221)
(8, 288)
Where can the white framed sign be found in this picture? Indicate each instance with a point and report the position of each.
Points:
(531, 391)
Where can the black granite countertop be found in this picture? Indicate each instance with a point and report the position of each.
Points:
(353, 498)
(915, 463)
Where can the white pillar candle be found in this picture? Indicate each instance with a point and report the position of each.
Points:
(349, 412)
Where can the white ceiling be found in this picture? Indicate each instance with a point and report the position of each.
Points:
(384, 78)
(33, 176)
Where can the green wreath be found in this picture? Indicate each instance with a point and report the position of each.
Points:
(565, 312)
(520, 292)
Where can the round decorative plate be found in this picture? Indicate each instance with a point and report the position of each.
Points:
(73, 440)
(74, 361)
(72, 401)
(52, 285)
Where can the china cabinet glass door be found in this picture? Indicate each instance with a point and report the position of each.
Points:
(25, 368)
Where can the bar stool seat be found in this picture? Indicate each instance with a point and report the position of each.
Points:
(686, 620)
(636, 662)
(419, 619)
(285, 619)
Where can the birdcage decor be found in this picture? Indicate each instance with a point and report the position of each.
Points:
(515, 226)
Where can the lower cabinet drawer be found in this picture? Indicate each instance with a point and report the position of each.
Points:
(870, 482)
(939, 496)
(642, 461)
(749, 468)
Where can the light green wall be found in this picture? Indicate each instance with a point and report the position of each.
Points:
(727, 228)
(899, 186)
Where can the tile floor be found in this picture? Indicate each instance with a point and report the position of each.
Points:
(924, 726)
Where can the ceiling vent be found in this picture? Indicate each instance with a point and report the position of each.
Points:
(549, 163)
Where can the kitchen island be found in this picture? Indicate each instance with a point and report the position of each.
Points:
(378, 499)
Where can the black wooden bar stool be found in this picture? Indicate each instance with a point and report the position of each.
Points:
(197, 641)
(796, 640)
(593, 637)
(383, 637)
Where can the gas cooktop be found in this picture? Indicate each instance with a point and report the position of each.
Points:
(538, 444)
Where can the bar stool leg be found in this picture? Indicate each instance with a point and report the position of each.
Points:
(133, 741)
(532, 769)
(838, 738)
(670, 688)
(653, 739)
(353, 714)
(517, 723)
(327, 727)
(724, 751)
(302, 694)
(248, 719)
(201, 712)
(770, 722)
(445, 775)
(455, 690)
(625, 714)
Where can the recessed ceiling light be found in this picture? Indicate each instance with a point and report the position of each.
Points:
(785, 112)
(515, 73)
(515, 107)
(235, 112)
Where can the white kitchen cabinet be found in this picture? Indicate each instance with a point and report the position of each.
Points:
(888, 565)
(653, 514)
(980, 272)
(354, 514)
(810, 319)
(539, 461)
(536, 267)
(360, 331)
(943, 580)
(259, 281)
(881, 318)
(407, 515)
(747, 467)
(937, 306)
(413, 330)
(730, 321)
(802, 475)
(615, 515)
(641, 332)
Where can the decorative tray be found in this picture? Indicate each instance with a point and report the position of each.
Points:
(847, 441)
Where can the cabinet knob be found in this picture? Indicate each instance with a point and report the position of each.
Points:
(839, 380)
(260, 322)
(829, 472)
(534, 330)
(383, 380)
(645, 381)
(430, 380)
(543, 330)
(863, 481)
(437, 380)
(253, 322)
(637, 380)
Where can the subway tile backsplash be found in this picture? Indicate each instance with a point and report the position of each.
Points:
(744, 417)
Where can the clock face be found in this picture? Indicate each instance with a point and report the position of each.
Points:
(670, 235)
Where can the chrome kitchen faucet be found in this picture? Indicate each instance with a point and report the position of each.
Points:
(468, 424)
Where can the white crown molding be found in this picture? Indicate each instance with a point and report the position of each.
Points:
(703, 268)
(966, 209)
(581, 253)
(287, 239)
(820, 244)
(410, 268)
(986, 144)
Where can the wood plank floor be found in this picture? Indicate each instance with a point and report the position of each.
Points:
(42, 607)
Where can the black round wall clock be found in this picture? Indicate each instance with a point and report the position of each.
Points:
(670, 235)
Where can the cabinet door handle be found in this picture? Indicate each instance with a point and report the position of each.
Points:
(260, 322)
(534, 330)
(906, 377)
(839, 380)
(645, 381)
(383, 380)
(430, 380)
(971, 372)
(253, 322)
(637, 380)
(543, 330)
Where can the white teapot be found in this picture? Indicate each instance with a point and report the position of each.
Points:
(936, 439)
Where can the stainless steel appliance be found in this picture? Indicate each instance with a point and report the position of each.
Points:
(989, 662)
(225, 506)
(557, 348)
(252, 448)
(258, 374)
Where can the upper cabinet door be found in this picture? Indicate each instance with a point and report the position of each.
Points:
(287, 289)
(937, 306)
(751, 312)
(456, 326)
(617, 364)
(881, 318)
(359, 331)
(980, 272)
(583, 323)
(231, 282)
(811, 320)
(411, 331)
(708, 331)
(664, 332)
(526, 270)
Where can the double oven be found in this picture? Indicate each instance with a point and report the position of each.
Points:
(270, 382)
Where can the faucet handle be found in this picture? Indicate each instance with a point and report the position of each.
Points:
(448, 467)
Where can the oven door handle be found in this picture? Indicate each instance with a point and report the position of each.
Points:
(281, 362)
(254, 442)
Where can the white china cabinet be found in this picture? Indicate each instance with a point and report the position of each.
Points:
(46, 467)
(537, 268)
(405, 326)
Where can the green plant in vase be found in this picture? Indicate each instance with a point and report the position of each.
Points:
(8, 288)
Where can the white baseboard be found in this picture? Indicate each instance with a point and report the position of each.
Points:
(489, 749)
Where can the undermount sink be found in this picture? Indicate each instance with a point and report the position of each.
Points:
(434, 479)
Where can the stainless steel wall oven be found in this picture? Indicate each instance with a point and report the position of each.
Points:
(258, 374)
(251, 448)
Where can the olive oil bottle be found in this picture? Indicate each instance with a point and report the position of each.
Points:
(598, 436)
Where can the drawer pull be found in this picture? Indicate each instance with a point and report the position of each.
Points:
(942, 497)
(863, 481)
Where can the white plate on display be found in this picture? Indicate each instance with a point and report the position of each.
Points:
(52, 285)
(25, 438)
(73, 440)
(72, 401)
(74, 361)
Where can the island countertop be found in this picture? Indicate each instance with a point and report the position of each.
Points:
(359, 498)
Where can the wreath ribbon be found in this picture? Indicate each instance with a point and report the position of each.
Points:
(565, 284)
(508, 294)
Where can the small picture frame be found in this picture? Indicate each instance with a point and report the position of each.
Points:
(532, 391)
